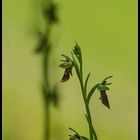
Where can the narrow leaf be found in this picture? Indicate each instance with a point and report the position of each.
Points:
(86, 81)
(91, 92)
(76, 67)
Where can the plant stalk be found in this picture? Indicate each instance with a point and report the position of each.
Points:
(92, 132)
(46, 54)
(47, 103)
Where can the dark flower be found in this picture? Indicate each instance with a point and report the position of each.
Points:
(51, 13)
(104, 98)
(67, 74)
(103, 88)
(43, 43)
(67, 65)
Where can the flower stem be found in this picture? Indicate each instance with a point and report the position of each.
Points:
(91, 128)
(92, 132)
(47, 102)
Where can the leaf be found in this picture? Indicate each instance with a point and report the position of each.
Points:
(76, 66)
(86, 82)
(91, 92)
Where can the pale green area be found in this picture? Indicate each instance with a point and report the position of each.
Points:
(107, 33)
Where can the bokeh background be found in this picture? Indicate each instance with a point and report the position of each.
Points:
(106, 30)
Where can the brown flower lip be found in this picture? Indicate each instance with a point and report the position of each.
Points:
(67, 74)
(104, 99)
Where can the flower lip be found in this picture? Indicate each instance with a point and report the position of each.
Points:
(104, 99)
(67, 74)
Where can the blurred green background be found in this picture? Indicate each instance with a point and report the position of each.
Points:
(107, 33)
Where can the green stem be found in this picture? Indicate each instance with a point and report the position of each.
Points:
(47, 121)
(46, 84)
(45, 5)
(47, 103)
(91, 128)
